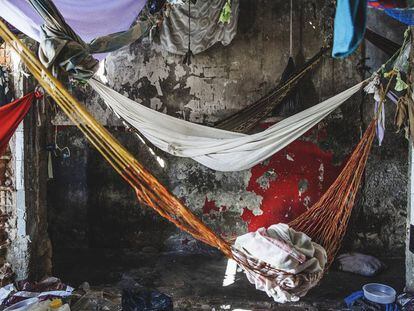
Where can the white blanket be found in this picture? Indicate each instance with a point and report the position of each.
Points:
(300, 260)
(217, 149)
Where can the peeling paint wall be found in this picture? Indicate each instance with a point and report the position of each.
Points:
(91, 207)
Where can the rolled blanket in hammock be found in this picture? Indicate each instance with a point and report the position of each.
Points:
(217, 149)
(299, 261)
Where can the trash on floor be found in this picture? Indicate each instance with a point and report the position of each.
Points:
(373, 297)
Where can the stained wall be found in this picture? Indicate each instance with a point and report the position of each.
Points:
(93, 213)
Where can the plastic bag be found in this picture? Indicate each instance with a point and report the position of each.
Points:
(361, 264)
(145, 300)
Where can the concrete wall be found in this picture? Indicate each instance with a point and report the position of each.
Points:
(91, 208)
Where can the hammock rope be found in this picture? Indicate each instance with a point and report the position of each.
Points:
(321, 222)
(248, 118)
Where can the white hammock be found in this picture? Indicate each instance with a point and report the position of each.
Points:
(217, 149)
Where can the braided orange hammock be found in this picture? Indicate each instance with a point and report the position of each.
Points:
(325, 222)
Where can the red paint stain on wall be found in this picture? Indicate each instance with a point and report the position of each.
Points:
(210, 206)
(290, 182)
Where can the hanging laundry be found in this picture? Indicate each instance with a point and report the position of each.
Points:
(10, 117)
(349, 26)
(60, 44)
(401, 10)
(6, 95)
(205, 27)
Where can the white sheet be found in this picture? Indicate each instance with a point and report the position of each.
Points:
(217, 149)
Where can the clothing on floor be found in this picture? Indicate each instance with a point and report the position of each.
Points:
(206, 29)
(349, 26)
(300, 261)
(361, 264)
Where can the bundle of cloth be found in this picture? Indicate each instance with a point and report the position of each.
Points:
(205, 28)
(298, 262)
(96, 27)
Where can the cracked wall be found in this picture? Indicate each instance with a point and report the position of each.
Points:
(217, 84)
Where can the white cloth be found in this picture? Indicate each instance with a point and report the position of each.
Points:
(88, 18)
(217, 149)
(301, 260)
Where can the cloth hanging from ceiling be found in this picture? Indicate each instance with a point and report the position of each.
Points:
(89, 19)
(6, 95)
(401, 10)
(105, 24)
(299, 261)
(10, 117)
(349, 26)
(217, 149)
(205, 27)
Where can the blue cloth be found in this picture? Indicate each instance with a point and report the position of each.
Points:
(405, 16)
(349, 26)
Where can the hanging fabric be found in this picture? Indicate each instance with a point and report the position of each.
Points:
(61, 45)
(387, 46)
(325, 222)
(248, 118)
(349, 26)
(10, 117)
(401, 10)
(217, 149)
(291, 101)
(206, 30)
(6, 95)
(89, 19)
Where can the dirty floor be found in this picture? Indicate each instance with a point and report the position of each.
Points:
(195, 282)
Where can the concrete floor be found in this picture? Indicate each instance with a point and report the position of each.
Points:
(195, 282)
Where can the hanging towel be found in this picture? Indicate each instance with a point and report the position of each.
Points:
(349, 26)
(217, 149)
(10, 117)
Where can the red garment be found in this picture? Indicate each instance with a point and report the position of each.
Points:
(10, 117)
